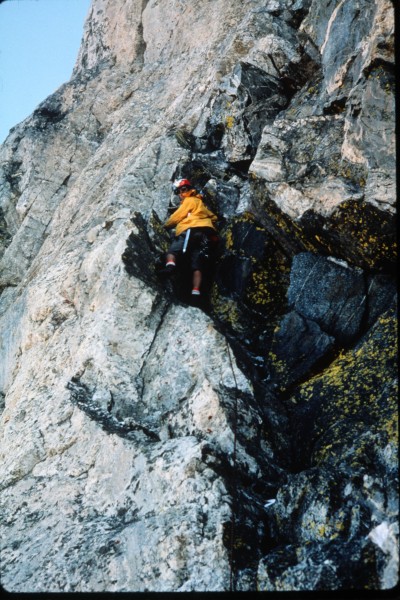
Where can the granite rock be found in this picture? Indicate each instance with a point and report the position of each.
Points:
(246, 442)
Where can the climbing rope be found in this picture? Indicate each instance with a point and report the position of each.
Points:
(234, 495)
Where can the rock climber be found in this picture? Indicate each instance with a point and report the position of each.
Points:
(195, 229)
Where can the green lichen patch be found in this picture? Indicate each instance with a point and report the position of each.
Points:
(159, 235)
(267, 285)
(354, 174)
(356, 394)
(252, 278)
(384, 76)
(227, 311)
(367, 234)
(358, 232)
(287, 233)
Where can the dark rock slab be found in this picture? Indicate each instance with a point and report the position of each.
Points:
(298, 347)
(331, 294)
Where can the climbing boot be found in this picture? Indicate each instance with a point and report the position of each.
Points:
(168, 270)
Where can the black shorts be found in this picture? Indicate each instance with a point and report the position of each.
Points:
(198, 247)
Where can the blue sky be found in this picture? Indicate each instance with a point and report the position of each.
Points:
(39, 43)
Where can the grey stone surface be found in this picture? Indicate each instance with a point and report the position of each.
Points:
(146, 444)
(330, 293)
(298, 347)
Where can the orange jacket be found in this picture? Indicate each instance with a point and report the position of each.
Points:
(191, 213)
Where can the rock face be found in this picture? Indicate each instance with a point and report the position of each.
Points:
(249, 443)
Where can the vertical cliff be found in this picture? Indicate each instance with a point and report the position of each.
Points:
(249, 443)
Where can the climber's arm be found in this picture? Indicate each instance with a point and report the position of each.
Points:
(180, 213)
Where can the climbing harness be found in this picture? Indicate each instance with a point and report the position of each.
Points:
(234, 495)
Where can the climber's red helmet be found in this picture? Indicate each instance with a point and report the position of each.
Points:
(181, 185)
